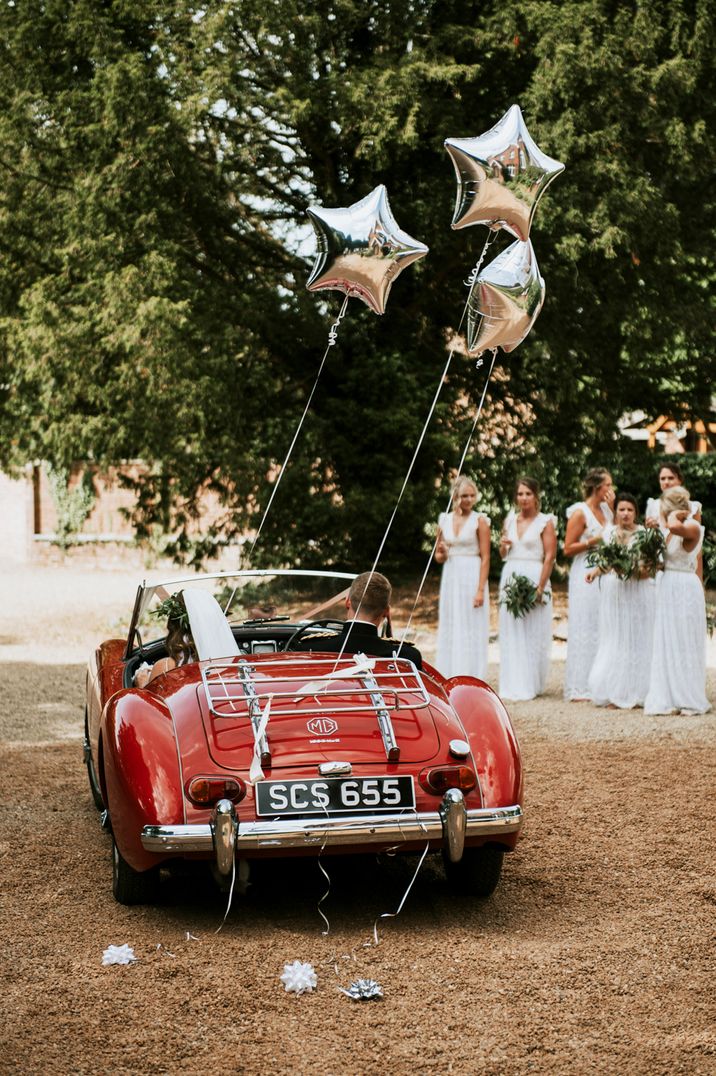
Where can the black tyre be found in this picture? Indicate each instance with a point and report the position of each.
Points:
(478, 872)
(130, 886)
(91, 774)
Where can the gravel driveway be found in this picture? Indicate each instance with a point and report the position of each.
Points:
(594, 955)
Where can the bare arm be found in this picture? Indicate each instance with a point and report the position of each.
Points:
(483, 543)
(549, 544)
(574, 540)
(680, 523)
(441, 549)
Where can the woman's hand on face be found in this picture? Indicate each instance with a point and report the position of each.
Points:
(609, 496)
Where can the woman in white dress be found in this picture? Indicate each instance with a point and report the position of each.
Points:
(670, 475)
(585, 525)
(677, 679)
(528, 546)
(620, 673)
(463, 547)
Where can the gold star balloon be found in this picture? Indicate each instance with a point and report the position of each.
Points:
(505, 300)
(501, 176)
(361, 249)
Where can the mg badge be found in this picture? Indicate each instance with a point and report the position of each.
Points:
(322, 726)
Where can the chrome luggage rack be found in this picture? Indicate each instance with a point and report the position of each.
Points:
(235, 687)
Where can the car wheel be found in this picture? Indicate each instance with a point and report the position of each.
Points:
(478, 872)
(130, 886)
(91, 774)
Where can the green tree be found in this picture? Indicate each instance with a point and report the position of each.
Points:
(157, 161)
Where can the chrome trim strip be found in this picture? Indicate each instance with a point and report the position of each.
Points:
(298, 833)
(392, 751)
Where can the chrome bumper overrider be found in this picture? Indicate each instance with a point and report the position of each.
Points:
(226, 836)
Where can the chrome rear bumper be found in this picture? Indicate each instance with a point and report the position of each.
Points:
(226, 836)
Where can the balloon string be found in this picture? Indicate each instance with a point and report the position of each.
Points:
(447, 506)
(332, 337)
(490, 237)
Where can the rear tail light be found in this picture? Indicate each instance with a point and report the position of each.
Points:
(206, 791)
(439, 779)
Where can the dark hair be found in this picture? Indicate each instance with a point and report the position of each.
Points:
(370, 592)
(179, 644)
(531, 483)
(629, 499)
(675, 470)
(593, 480)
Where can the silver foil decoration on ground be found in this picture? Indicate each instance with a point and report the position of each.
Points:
(361, 249)
(505, 300)
(364, 990)
(501, 176)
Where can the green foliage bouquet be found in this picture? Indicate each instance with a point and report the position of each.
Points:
(613, 557)
(648, 549)
(519, 596)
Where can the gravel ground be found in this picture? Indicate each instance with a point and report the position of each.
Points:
(593, 956)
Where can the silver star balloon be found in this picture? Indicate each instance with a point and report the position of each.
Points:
(501, 176)
(361, 249)
(505, 300)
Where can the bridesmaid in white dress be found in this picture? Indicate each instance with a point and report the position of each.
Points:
(585, 525)
(463, 546)
(528, 546)
(620, 673)
(678, 664)
(670, 475)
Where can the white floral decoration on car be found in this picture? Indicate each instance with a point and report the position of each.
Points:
(299, 978)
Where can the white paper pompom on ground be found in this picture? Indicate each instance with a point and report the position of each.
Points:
(299, 978)
(118, 954)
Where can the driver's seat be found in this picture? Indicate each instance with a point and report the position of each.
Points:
(212, 634)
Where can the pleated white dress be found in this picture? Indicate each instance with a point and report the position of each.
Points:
(583, 622)
(678, 662)
(525, 642)
(620, 673)
(463, 631)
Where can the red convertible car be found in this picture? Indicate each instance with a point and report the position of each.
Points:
(264, 751)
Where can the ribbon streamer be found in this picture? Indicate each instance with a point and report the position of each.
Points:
(396, 913)
(255, 771)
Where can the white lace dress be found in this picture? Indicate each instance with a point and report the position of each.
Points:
(678, 662)
(463, 631)
(525, 643)
(620, 672)
(583, 615)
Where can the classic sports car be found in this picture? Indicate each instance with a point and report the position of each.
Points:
(259, 750)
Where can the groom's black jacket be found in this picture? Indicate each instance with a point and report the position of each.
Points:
(359, 638)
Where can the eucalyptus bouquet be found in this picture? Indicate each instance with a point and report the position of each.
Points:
(648, 549)
(519, 596)
(613, 557)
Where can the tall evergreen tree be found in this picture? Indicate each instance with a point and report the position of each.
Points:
(157, 161)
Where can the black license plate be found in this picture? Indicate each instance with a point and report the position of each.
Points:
(334, 795)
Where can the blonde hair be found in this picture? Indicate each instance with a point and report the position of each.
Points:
(675, 499)
(460, 481)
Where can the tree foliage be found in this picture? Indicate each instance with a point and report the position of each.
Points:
(157, 160)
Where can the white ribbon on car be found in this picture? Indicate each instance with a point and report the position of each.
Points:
(255, 771)
(362, 664)
(313, 688)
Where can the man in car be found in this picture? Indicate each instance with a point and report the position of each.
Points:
(368, 604)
